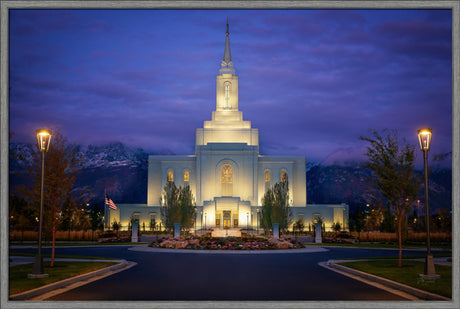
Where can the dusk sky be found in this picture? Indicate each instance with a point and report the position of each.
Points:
(311, 81)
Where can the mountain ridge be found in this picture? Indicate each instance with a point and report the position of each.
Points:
(121, 171)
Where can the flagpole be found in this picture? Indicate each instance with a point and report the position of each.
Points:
(106, 211)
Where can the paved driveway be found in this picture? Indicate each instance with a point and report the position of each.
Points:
(172, 275)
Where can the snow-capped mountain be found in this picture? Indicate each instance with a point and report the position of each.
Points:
(110, 155)
(121, 172)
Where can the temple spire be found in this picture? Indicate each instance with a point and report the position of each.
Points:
(227, 63)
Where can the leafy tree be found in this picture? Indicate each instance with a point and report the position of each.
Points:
(62, 165)
(82, 218)
(67, 215)
(21, 213)
(275, 207)
(359, 220)
(96, 219)
(299, 225)
(388, 222)
(337, 228)
(393, 174)
(115, 226)
(317, 219)
(178, 206)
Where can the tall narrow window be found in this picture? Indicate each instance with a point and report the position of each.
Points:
(283, 176)
(170, 176)
(186, 176)
(227, 180)
(267, 176)
(227, 96)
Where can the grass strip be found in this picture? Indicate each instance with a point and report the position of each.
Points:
(18, 281)
(62, 256)
(418, 256)
(85, 244)
(408, 274)
(377, 245)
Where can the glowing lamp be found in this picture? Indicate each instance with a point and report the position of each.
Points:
(43, 139)
(424, 138)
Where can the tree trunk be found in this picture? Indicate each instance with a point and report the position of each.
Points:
(400, 243)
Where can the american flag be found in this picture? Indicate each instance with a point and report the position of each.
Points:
(110, 203)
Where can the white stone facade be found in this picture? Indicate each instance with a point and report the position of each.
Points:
(227, 175)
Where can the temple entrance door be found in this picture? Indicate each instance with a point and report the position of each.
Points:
(227, 219)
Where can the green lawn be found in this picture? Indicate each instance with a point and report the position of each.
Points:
(63, 256)
(378, 245)
(76, 243)
(408, 274)
(412, 256)
(19, 282)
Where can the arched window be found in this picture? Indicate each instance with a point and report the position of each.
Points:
(283, 176)
(227, 180)
(227, 174)
(186, 176)
(227, 95)
(170, 176)
(267, 176)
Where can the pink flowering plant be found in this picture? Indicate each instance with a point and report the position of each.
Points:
(229, 243)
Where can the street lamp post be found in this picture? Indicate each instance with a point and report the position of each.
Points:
(424, 138)
(43, 140)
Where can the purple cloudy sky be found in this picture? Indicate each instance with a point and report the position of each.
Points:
(311, 81)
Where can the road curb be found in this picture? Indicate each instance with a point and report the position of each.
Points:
(61, 284)
(390, 283)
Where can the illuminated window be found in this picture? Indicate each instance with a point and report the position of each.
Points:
(267, 176)
(227, 180)
(186, 176)
(227, 174)
(283, 176)
(227, 96)
(170, 176)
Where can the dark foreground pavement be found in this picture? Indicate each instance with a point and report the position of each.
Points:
(175, 276)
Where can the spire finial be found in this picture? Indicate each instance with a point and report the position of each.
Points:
(227, 27)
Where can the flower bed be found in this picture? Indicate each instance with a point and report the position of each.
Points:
(229, 243)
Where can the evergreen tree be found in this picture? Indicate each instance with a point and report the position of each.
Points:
(275, 207)
(178, 206)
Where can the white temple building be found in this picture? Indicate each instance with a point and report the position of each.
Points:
(227, 175)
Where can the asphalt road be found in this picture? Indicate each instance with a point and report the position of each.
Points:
(189, 276)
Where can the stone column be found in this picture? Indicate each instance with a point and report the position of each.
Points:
(176, 230)
(318, 237)
(276, 230)
(134, 233)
